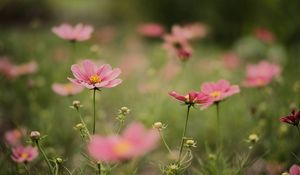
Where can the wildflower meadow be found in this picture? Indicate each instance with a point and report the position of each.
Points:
(149, 88)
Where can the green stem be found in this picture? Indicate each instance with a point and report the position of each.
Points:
(82, 121)
(298, 129)
(164, 141)
(94, 101)
(56, 169)
(45, 156)
(99, 168)
(27, 170)
(184, 132)
(121, 123)
(219, 124)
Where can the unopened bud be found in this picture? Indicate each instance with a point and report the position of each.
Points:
(79, 126)
(59, 160)
(157, 125)
(76, 104)
(190, 143)
(253, 138)
(124, 110)
(285, 173)
(35, 135)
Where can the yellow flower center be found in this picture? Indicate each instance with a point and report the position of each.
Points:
(259, 81)
(122, 148)
(187, 98)
(24, 155)
(215, 94)
(69, 88)
(94, 79)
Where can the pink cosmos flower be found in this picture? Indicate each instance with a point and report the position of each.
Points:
(22, 154)
(192, 98)
(13, 137)
(151, 29)
(190, 31)
(292, 119)
(67, 89)
(295, 170)
(79, 32)
(261, 74)
(231, 60)
(219, 91)
(134, 142)
(178, 45)
(10, 70)
(93, 77)
(265, 35)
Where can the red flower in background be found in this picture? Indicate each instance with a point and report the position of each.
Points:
(264, 35)
(295, 170)
(151, 30)
(292, 119)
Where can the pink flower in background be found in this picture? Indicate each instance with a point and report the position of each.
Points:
(177, 45)
(6, 66)
(231, 60)
(10, 70)
(67, 89)
(264, 35)
(295, 170)
(219, 91)
(93, 77)
(134, 142)
(192, 98)
(190, 31)
(13, 137)
(261, 74)
(23, 69)
(79, 32)
(151, 30)
(292, 119)
(22, 154)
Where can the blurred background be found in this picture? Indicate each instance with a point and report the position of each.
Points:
(29, 103)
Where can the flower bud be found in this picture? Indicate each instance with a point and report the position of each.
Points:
(212, 156)
(79, 126)
(253, 138)
(124, 110)
(157, 125)
(190, 143)
(35, 135)
(285, 173)
(59, 160)
(174, 167)
(76, 104)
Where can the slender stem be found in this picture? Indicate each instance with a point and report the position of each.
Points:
(121, 123)
(94, 101)
(82, 121)
(298, 129)
(164, 141)
(27, 170)
(218, 123)
(45, 156)
(99, 168)
(56, 168)
(184, 132)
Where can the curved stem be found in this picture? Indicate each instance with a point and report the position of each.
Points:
(94, 101)
(56, 168)
(164, 141)
(45, 156)
(184, 132)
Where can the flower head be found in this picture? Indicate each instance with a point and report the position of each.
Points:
(191, 98)
(261, 74)
(13, 137)
(295, 170)
(151, 29)
(79, 32)
(93, 77)
(67, 89)
(265, 35)
(219, 91)
(134, 142)
(292, 119)
(22, 154)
